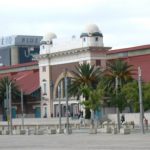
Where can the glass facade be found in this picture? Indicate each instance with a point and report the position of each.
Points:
(26, 54)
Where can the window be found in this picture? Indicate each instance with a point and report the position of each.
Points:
(98, 62)
(51, 42)
(27, 40)
(44, 89)
(23, 40)
(62, 87)
(44, 69)
(36, 40)
(84, 39)
(96, 39)
(31, 40)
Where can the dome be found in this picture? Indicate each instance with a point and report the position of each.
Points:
(49, 36)
(91, 30)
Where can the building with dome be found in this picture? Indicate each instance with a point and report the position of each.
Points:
(54, 63)
(55, 59)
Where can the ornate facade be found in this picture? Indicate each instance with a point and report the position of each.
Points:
(54, 60)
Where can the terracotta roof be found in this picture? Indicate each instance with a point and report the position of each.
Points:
(28, 80)
(129, 49)
(19, 65)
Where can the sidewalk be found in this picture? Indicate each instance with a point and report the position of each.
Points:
(76, 141)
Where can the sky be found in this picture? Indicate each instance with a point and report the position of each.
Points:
(124, 23)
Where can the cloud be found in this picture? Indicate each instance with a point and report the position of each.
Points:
(122, 22)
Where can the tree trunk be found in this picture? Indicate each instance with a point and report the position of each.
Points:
(87, 113)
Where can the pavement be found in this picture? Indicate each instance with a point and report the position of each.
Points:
(76, 141)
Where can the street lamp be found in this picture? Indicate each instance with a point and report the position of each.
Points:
(66, 94)
(117, 108)
(10, 106)
(140, 100)
(22, 111)
(59, 94)
(7, 107)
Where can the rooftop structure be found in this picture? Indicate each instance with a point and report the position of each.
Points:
(18, 49)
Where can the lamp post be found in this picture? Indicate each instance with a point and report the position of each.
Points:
(59, 93)
(10, 107)
(117, 109)
(7, 107)
(66, 94)
(22, 111)
(140, 100)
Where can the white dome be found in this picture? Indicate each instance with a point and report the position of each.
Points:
(92, 28)
(49, 36)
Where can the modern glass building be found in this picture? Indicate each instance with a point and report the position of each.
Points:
(18, 49)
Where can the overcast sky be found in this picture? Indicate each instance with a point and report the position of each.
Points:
(123, 23)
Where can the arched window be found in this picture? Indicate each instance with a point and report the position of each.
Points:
(84, 39)
(61, 86)
(96, 39)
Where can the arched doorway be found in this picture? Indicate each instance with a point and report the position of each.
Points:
(73, 104)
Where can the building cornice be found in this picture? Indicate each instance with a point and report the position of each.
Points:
(72, 51)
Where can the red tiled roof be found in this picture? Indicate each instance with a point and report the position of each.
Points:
(28, 80)
(19, 65)
(128, 49)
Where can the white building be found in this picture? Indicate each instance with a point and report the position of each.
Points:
(56, 57)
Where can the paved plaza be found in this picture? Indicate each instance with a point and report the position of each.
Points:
(76, 141)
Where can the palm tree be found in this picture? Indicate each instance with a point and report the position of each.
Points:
(118, 73)
(5, 81)
(118, 69)
(84, 75)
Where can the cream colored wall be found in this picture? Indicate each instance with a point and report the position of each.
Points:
(90, 41)
(129, 117)
(46, 99)
(76, 57)
(14, 55)
(61, 58)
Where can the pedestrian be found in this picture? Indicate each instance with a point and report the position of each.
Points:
(146, 123)
(122, 118)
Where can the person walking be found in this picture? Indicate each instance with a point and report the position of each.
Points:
(122, 118)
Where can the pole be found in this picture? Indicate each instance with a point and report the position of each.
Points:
(117, 109)
(140, 100)
(10, 108)
(7, 105)
(66, 93)
(59, 109)
(22, 111)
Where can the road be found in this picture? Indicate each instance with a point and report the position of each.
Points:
(76, 141)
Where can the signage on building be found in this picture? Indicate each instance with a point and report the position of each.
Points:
(20, 40)
(7, 41)
(28, 40)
